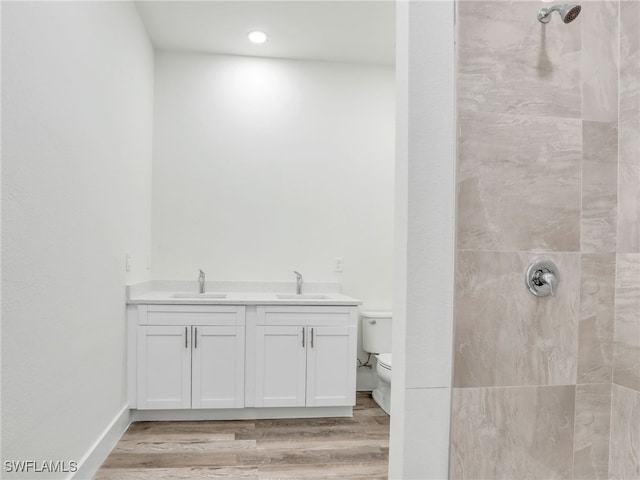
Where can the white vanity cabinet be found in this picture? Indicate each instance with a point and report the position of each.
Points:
(305, 356)
(248, 355)
(188, 356)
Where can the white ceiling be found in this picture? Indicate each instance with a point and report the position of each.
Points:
(343, 31)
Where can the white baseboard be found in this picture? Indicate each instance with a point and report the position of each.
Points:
(246, 413)
(99, 451)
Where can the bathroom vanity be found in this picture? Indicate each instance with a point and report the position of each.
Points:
(240, 354)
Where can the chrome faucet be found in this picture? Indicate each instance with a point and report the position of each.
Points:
(298, 283)
(201, 282)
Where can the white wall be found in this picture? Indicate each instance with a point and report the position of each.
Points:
(424, 234)
(263, 166)
(77, 100)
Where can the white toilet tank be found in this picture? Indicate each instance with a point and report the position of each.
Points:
(376, 331)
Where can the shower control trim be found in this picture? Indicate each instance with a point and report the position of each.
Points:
(542, 277)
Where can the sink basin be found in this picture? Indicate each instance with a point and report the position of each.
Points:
(199, 295)
(301, 297)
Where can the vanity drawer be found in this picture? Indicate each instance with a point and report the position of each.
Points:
(329, 316)
(191, 315)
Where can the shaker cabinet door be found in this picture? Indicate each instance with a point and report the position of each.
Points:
(164, 367)
(218, 367)
(280, 366)
(331, 366)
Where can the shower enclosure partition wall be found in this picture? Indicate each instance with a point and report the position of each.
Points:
(548, 163)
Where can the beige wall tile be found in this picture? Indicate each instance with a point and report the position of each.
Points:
(629, 138)
(599, 186)
(629, 60)
(599, 206)
(624, 463)
(591, 442)
(600, 60)
(595, 337)
(512, 433)
(628, 208)
(504, 335)
(626, 354)
(600, 141)
(518, 183)
(511, 63)
(629, 129)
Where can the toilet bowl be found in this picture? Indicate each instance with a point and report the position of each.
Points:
(376, 339)
(382, 393)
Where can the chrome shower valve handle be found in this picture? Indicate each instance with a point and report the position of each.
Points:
(542, 277)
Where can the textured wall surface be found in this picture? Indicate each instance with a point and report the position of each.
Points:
(263, 166)
(77, 105)
(548, 156)
(424, 241)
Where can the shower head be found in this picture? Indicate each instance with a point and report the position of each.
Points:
(568, 12)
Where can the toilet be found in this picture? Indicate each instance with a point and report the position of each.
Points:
(376, 339)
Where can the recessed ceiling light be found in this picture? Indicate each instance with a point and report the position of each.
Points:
(257, 36)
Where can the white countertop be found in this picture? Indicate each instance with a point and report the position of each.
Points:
(237, 293)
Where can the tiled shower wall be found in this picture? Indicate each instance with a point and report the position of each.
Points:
(548, 165)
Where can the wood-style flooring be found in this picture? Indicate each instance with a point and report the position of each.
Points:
(298, 448)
